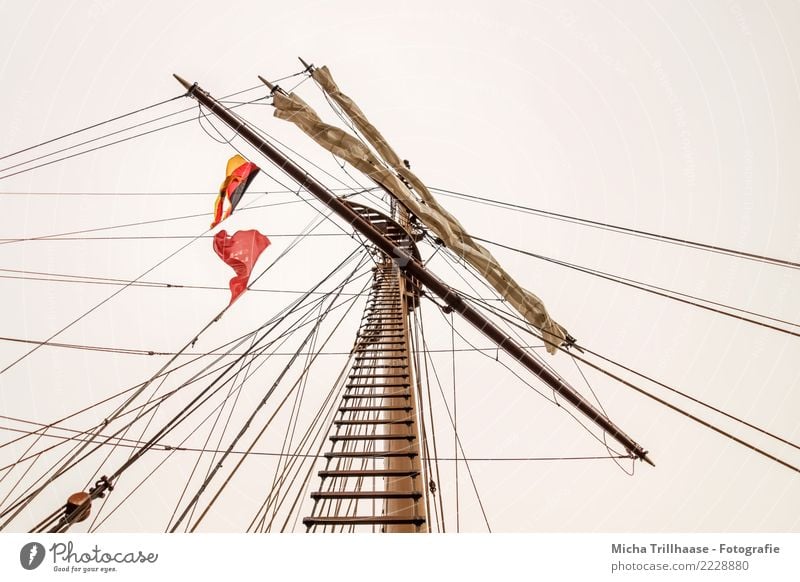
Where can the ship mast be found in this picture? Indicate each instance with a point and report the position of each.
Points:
(405, 267)
(414, 268)
(373, 474)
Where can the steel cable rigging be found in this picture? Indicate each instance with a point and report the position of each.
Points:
(77, 131)
(196, 356)
(138, 391)
(426, 351)
(623, 230)
(172, 450)
(522, 325)
(209, 370)
(311, 334)
(185, 412)
(676, 408)
(110, 134)
(653, 289)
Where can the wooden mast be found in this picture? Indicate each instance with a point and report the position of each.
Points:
(407, 295)
(372, 477)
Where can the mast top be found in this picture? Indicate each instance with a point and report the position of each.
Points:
(269, 85)
(186, 84)
(308, 67)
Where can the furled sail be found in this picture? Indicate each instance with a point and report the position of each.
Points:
(400, 181)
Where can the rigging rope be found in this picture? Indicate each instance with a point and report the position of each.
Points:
(145, 352)
(198, 376)
(648, 288)
(266, 505)
(80, 279)
(683, 412)
(458, 440)
(157, 237)
(321, 421)
(172, 450)
(161, 447)
(565, 409)
(103, 302)
(485, 201)
(261, 404)
(140, 223)
(162, 194)
(602, 408)
(520, 323)
(206, 372)
(526, 328)
(284, 148)
(623, 230)
(138, 391)
(288, 435)
(234, 343)
(428, 488)
(159, 263)
(690, 416)
(239, 104)
(100, 147)
(184, 413)
(417, 347)
(118, 117)
(456, 458)
(455, 419)
(246, 375)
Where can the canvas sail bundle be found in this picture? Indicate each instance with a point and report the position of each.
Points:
(385, 171)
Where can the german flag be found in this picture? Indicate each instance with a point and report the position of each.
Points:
(238, 176)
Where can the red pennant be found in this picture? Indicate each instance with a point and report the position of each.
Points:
(240, 251)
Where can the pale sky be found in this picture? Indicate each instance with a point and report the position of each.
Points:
(680, 118)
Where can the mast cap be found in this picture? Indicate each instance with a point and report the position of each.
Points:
(186, 84)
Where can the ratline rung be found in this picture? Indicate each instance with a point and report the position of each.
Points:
(369, 454)
(368, 473)
(373, 408)
(365, 520)
(349, 422)
(366, 495)
(372, 437)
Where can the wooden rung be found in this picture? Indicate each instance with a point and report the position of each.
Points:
(393, 385)
(366, 495)
(373, 408)
(383, 330)
(405, 395)
(372, 437)
(369, 473)
(365, 520)
(369, 454)
(348, 422)
(379, 375)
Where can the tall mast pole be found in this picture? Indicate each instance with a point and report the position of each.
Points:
(414, 268)
(406, 295)
(372, 476)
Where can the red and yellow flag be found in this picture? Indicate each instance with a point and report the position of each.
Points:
(238, 176)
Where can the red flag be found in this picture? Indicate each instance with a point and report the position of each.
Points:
(240, 251)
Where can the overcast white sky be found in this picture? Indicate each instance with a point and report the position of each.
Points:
(680, 118)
